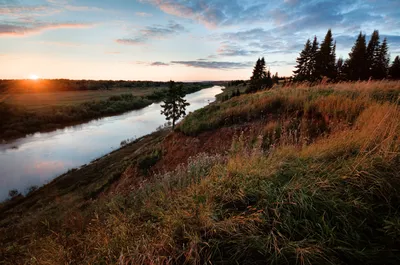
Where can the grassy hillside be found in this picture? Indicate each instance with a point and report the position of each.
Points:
(294, 175)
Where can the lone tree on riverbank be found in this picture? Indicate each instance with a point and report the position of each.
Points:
(174, 106)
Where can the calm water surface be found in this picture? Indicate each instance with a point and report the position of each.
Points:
(39, 158)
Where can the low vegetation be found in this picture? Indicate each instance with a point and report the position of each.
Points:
(40, 110)
(312, 177)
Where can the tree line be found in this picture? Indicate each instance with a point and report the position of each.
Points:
(317, 61)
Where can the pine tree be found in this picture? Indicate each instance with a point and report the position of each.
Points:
(314, 75)
(357, 63)
(256, 77)
(340, 73)
(174, 106)
(372, 54)
(382, 61)
(327, 57)
(267, 82)
(275, 78)
(394, 70)
(303, 71)
(260, 78)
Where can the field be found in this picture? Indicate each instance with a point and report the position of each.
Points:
(27, 106)
(43, 100)
(293, 175)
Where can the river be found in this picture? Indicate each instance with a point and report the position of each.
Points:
(37, 159)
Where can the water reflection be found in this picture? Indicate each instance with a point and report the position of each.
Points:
(39, 158)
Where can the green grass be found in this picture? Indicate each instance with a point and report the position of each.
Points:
(315, 181)
(26, 113)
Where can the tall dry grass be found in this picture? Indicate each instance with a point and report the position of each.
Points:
(315, 182)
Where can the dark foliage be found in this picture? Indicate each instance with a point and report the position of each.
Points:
(174, 106)
(261, 79)
(394, 70)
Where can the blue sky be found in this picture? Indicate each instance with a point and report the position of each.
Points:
(177, 39)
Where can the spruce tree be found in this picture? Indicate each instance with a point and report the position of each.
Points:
(256, 77)
(313, 63)
(394, 70)
(357, 63)
(260, 78)
(340, 73)
(382, 61)
(372, 54)
(302, 73)
(174, 106)
(275, 78)
(327, 57)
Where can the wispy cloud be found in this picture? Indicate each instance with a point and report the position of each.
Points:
(159, 64)
(213, 13)
(235, 50)
(22, 29)
(154, 32)
(143, 14)
(214, 64)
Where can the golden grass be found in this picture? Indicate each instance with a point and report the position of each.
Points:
(322, 190)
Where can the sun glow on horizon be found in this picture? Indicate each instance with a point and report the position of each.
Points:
(33, 77)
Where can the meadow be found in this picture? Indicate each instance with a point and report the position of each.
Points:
(300, 174)
(29, 106)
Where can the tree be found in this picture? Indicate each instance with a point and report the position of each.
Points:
(275, 79)
(394, 70)
(174, 106)
(327, 57)
(303, 71)
(340, 69)
(357, 63)
(13, 193)
(260, 79)
(256, 77)
(372, 54)
(313, 60)
(382, 61)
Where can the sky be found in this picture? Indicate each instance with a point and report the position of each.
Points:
(185, 40)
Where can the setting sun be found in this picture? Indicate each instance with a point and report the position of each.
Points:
(34, 77)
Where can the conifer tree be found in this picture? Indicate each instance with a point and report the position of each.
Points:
(372, 54)
(174, 106)
(357, 63)
(256, 77)
(260, 78)
(326, 59)
(394, 70)
(303, 71)
(382, 61)
(275, 78)
(314, 75)
(340, 73)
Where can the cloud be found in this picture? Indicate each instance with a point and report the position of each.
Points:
(214, 13)
(235, 50)
(21, 29)
(154, 32)
(143, 14)
(214, 64)
(64, 4)
(159, 64)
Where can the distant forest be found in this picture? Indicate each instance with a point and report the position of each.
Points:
(365, 62)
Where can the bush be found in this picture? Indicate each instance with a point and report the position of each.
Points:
(13, 193)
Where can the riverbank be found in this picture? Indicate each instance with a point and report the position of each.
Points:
(43, 112)
(290, 175)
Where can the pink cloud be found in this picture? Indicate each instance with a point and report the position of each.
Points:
(18, 29)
